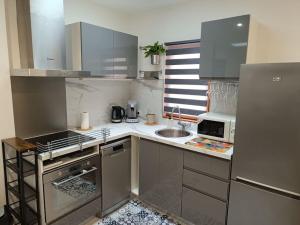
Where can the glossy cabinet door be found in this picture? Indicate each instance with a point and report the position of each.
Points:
(224, 47)
(201, 209)
(97, 50)
(125, 54)
(149, 171)
(170, 178)
(161, 168)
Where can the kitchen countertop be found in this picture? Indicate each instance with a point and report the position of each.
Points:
(119, 130)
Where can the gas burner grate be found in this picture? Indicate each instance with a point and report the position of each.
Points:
(63, 143)
(71, 140)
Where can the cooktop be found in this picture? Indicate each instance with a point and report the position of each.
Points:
(59, 140)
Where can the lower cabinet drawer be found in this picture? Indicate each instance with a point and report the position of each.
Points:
(80, 215)
(206, 184)
(207, 164)
(201, 209)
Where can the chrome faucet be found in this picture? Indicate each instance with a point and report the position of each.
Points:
(180, 123)
(179, 112)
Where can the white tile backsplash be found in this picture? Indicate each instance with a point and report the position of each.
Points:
(149, 95)
(96, 96)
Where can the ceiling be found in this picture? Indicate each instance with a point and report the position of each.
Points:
(130, 6)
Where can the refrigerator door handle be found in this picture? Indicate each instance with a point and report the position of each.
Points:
(269, 187)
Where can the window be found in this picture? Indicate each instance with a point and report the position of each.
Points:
(183, 87)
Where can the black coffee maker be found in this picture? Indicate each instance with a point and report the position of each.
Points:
(117, 114)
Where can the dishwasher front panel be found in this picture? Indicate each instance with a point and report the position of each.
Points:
(116, 173)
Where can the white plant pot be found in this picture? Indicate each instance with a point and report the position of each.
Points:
(155, 59)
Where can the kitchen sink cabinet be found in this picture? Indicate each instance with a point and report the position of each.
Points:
(161, 168)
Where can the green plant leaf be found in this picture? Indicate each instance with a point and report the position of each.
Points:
(155, 49)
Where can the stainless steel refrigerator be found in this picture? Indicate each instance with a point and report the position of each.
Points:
(265, 185)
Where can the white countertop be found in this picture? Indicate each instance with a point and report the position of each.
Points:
(141, 130)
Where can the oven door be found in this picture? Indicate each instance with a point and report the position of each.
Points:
(70, 187)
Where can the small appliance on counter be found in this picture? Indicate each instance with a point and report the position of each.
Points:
(131, 112)
(217, 126)
(117, 114)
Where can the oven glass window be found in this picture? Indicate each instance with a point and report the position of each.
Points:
(211, 128)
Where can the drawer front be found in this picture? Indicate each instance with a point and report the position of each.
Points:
(207, 164)
(206, 184)
(80, 215)
(201, 209)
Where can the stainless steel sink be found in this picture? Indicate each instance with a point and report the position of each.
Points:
(172, 133)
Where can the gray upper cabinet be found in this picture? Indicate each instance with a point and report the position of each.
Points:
(125, 54)
(161, 168)
(97, 49)
(102, 51)
(224, 47)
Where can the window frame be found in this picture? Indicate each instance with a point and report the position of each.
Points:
(184, 117)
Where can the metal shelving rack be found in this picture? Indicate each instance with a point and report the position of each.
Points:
(20, 161)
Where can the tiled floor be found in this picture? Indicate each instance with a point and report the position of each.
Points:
(136, 213)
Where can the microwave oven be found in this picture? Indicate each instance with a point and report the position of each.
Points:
(216, 126)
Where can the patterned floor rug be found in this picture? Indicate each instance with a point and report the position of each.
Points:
(136, 213)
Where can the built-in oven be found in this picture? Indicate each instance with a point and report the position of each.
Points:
(68, 187)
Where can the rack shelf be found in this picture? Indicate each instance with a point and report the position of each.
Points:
(20, 160)
(30, 216)
(29, 192)
(28, 168)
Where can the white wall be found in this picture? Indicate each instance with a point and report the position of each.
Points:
(89, 12)
(279, 22)
(6, 114)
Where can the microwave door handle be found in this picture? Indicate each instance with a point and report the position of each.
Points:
(83, 172)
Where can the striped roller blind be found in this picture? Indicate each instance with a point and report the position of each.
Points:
(183, 87)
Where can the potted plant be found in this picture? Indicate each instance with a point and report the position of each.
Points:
(154, 51)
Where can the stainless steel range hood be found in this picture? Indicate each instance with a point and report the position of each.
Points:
(41, 40)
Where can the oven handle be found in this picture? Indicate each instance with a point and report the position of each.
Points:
(83, 172)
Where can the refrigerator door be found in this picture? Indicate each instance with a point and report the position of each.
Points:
(267, 139)
(250, 205)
